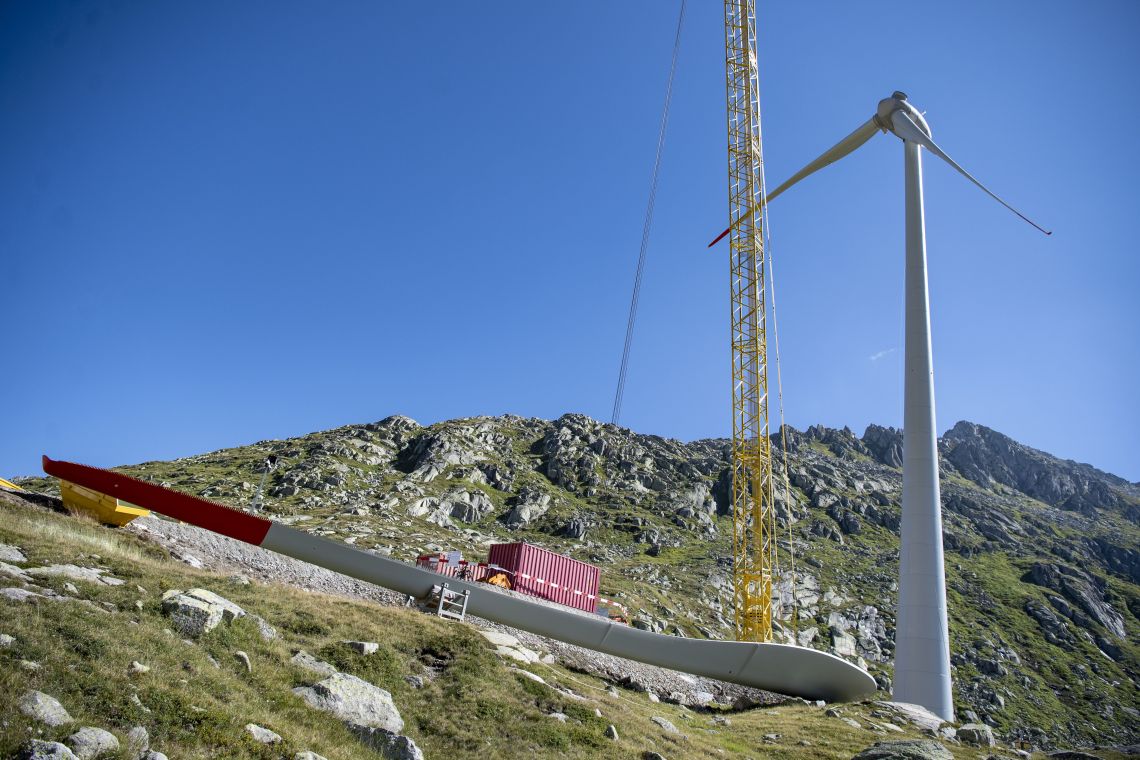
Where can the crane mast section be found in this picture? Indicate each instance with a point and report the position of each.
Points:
(753, 533)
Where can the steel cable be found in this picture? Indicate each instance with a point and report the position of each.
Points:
(641, 256)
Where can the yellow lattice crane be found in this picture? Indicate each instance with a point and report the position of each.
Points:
(753, 531)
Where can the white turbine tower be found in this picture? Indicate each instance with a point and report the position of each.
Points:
(922, 647)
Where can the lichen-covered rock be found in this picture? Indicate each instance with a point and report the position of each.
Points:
(354, 701)
(44, 708)
(41, 750)
(89, 743)
(262, 735)
(76, 573)
(308, 662)
(198, 611)
(138, 742)
(529, 505)
(9, 553)
(978, 734)
(910, 749)
(392, 746)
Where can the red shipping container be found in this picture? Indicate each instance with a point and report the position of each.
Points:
(547, 575)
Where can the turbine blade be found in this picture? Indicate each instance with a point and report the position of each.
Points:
(905, 128)
(838, 151)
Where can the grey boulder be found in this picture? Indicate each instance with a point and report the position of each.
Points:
(41, 750)
(911, 749)
(198, 610)
(978, 734)
(44, 708)
(355, 701)
(89, 742)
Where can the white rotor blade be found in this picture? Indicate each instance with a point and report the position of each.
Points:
(841, 149)
(905, 128)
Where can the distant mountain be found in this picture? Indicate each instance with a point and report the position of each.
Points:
(1043, 554)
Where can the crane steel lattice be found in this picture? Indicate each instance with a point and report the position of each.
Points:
(753, 532)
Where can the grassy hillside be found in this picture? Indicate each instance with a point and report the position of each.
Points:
(197, 696)
(1043, 555)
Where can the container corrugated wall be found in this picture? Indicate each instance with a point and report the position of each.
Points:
(548, 575)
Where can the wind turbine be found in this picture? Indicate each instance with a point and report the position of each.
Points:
(922, 647)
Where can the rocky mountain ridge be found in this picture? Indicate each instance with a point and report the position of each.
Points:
(1043, 554)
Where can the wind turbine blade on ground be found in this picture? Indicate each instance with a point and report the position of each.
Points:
(904, 127)
(838, 151)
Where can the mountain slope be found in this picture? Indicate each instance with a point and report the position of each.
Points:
(1043, 555)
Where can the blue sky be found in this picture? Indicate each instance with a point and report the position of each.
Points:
(224, 222)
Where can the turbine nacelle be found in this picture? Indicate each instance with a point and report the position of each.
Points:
(897, 103)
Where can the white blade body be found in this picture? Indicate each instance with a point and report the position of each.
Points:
(922, 645)
(838, 151)
(904, 127)
(787, 669)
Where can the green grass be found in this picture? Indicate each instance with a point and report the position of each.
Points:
(472, 704)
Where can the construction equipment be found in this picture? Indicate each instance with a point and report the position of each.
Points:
(452, 604)
(9, 485)
(753, 527)
(105, 509)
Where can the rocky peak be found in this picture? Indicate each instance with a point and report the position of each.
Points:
(987, 457)
(885, 444)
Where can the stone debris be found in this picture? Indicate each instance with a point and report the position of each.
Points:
(6, 641)
(307, 755)
(44, 708)
(89, 743)
(665, 723)
(612, 732)
(137, 668)
(243, 659)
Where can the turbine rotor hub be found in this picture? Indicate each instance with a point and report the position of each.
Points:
(898, 102)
